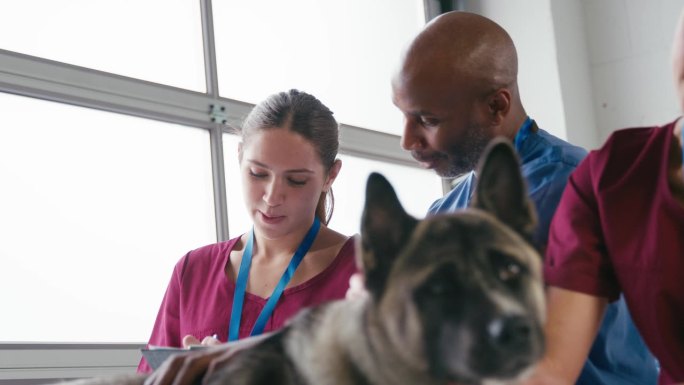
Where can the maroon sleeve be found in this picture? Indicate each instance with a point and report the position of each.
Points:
(576, 257)
(166, 331)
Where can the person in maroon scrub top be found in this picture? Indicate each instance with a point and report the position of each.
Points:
(244, 287)
(619, 230)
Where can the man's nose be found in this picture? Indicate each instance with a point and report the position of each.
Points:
(411, 138)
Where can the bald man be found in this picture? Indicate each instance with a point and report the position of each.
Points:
(457, 89)
(628, 197)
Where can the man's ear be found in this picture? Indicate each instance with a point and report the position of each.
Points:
(385, 229)
(501, 188)
(499, 104)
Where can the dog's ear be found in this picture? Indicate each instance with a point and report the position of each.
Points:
(502, 190)
(385, 228)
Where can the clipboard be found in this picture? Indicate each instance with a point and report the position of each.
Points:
(156, 355)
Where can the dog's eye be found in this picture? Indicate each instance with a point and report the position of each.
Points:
(509, 271)
(507, 268)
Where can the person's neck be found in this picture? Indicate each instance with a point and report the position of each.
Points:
(515, 122)
(272, 249)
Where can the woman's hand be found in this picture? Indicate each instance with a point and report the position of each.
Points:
(185, 368)
(189, 368)
(190, 340)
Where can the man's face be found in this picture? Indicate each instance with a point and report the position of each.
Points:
(445, 124)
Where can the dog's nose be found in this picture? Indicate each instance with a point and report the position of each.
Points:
(511, 332)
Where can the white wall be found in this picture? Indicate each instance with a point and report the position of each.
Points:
(574, 72)
(529, 23)
(590, 67)
(629, 52)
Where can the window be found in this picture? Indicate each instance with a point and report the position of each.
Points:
(108, 180)
(343, 52)
(125, 37)
(416, 190)
(96, 209)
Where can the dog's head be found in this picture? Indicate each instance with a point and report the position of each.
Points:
(459, 295)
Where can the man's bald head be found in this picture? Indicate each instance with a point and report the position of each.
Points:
(465, 46)
(457, 89)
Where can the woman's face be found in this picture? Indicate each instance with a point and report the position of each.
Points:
(283, 178)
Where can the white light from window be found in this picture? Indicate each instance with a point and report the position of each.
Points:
(155, 40)
(95, 210)
(343, 52)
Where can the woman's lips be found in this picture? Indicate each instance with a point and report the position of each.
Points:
(271, 219)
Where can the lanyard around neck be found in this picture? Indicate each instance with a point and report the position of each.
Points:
(522, 134)
(241, 284)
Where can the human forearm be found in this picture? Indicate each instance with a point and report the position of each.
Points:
(573, 320)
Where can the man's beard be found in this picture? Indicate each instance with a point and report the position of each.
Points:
(463, 157)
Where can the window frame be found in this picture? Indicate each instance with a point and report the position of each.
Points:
(25, 75)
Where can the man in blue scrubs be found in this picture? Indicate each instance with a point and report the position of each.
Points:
(457, 88)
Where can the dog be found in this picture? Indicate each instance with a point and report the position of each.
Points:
(453, 298)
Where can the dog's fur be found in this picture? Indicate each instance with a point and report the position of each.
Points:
(454, 298)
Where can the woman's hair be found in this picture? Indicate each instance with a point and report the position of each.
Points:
(305, 115)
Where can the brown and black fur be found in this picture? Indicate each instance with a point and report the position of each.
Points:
(454, 298)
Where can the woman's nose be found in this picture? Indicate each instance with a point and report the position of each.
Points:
(274, 194)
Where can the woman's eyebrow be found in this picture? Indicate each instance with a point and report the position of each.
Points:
(294, 170)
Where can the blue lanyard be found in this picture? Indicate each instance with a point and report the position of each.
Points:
(241, 284)
(522, 134)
